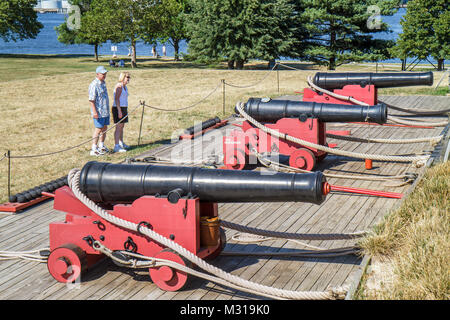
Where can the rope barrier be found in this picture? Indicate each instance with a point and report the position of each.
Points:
(76, 146)
(188, 107)
(256, 83)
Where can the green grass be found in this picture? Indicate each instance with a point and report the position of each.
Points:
(35, 66)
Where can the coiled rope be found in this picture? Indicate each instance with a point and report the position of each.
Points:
(231, 280)
(417, 160)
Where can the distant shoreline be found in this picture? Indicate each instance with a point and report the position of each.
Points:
(107, 57)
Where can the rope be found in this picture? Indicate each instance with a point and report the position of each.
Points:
(154, 159)
(407, 177)
(184, 108)
(252, 235)
(331, 253)
(417, 112)
(252, 238)
(152, 262)
(391, 118)
(26, 255)
(256, 83)
(76, 146)
(288, 235)
(231, 280)
(432, 140)
(411, 111)
(416, 123)
(417, 160)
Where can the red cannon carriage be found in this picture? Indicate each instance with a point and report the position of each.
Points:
(298, 119)
(179, 203)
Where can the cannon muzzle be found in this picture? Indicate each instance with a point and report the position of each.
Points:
(380, 80)
(265, 110)
(124, 183)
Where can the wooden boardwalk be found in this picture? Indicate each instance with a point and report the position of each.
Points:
(340, 213)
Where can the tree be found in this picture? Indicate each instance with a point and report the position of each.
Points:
(334, 32)
(238, 30)
(98, 24)
(426, 31)
(123, 20)
(171, 16)
(18, 20)
(87, 33)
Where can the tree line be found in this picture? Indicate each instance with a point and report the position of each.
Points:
(326, 32)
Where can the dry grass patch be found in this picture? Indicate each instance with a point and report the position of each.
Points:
(45, 114)
(45, 107)
(414, 242)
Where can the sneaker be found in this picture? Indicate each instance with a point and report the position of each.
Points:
(104, 149)
(119, 149)
(124, 146)
(97, 152)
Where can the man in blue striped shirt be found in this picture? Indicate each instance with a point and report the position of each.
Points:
(98, 98)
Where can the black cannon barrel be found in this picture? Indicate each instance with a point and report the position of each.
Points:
(202, 126)
(124, 183)
(380, 80)
(266, 110)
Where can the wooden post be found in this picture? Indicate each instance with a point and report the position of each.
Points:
(9, 173)
(140, 127)
(278, 81)
(223, 96)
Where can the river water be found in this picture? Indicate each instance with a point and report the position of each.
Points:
(46, 42)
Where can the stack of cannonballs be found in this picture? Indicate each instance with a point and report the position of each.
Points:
(36, 192)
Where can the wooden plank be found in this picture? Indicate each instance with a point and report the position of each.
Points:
(337, 205)
(28, 280)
